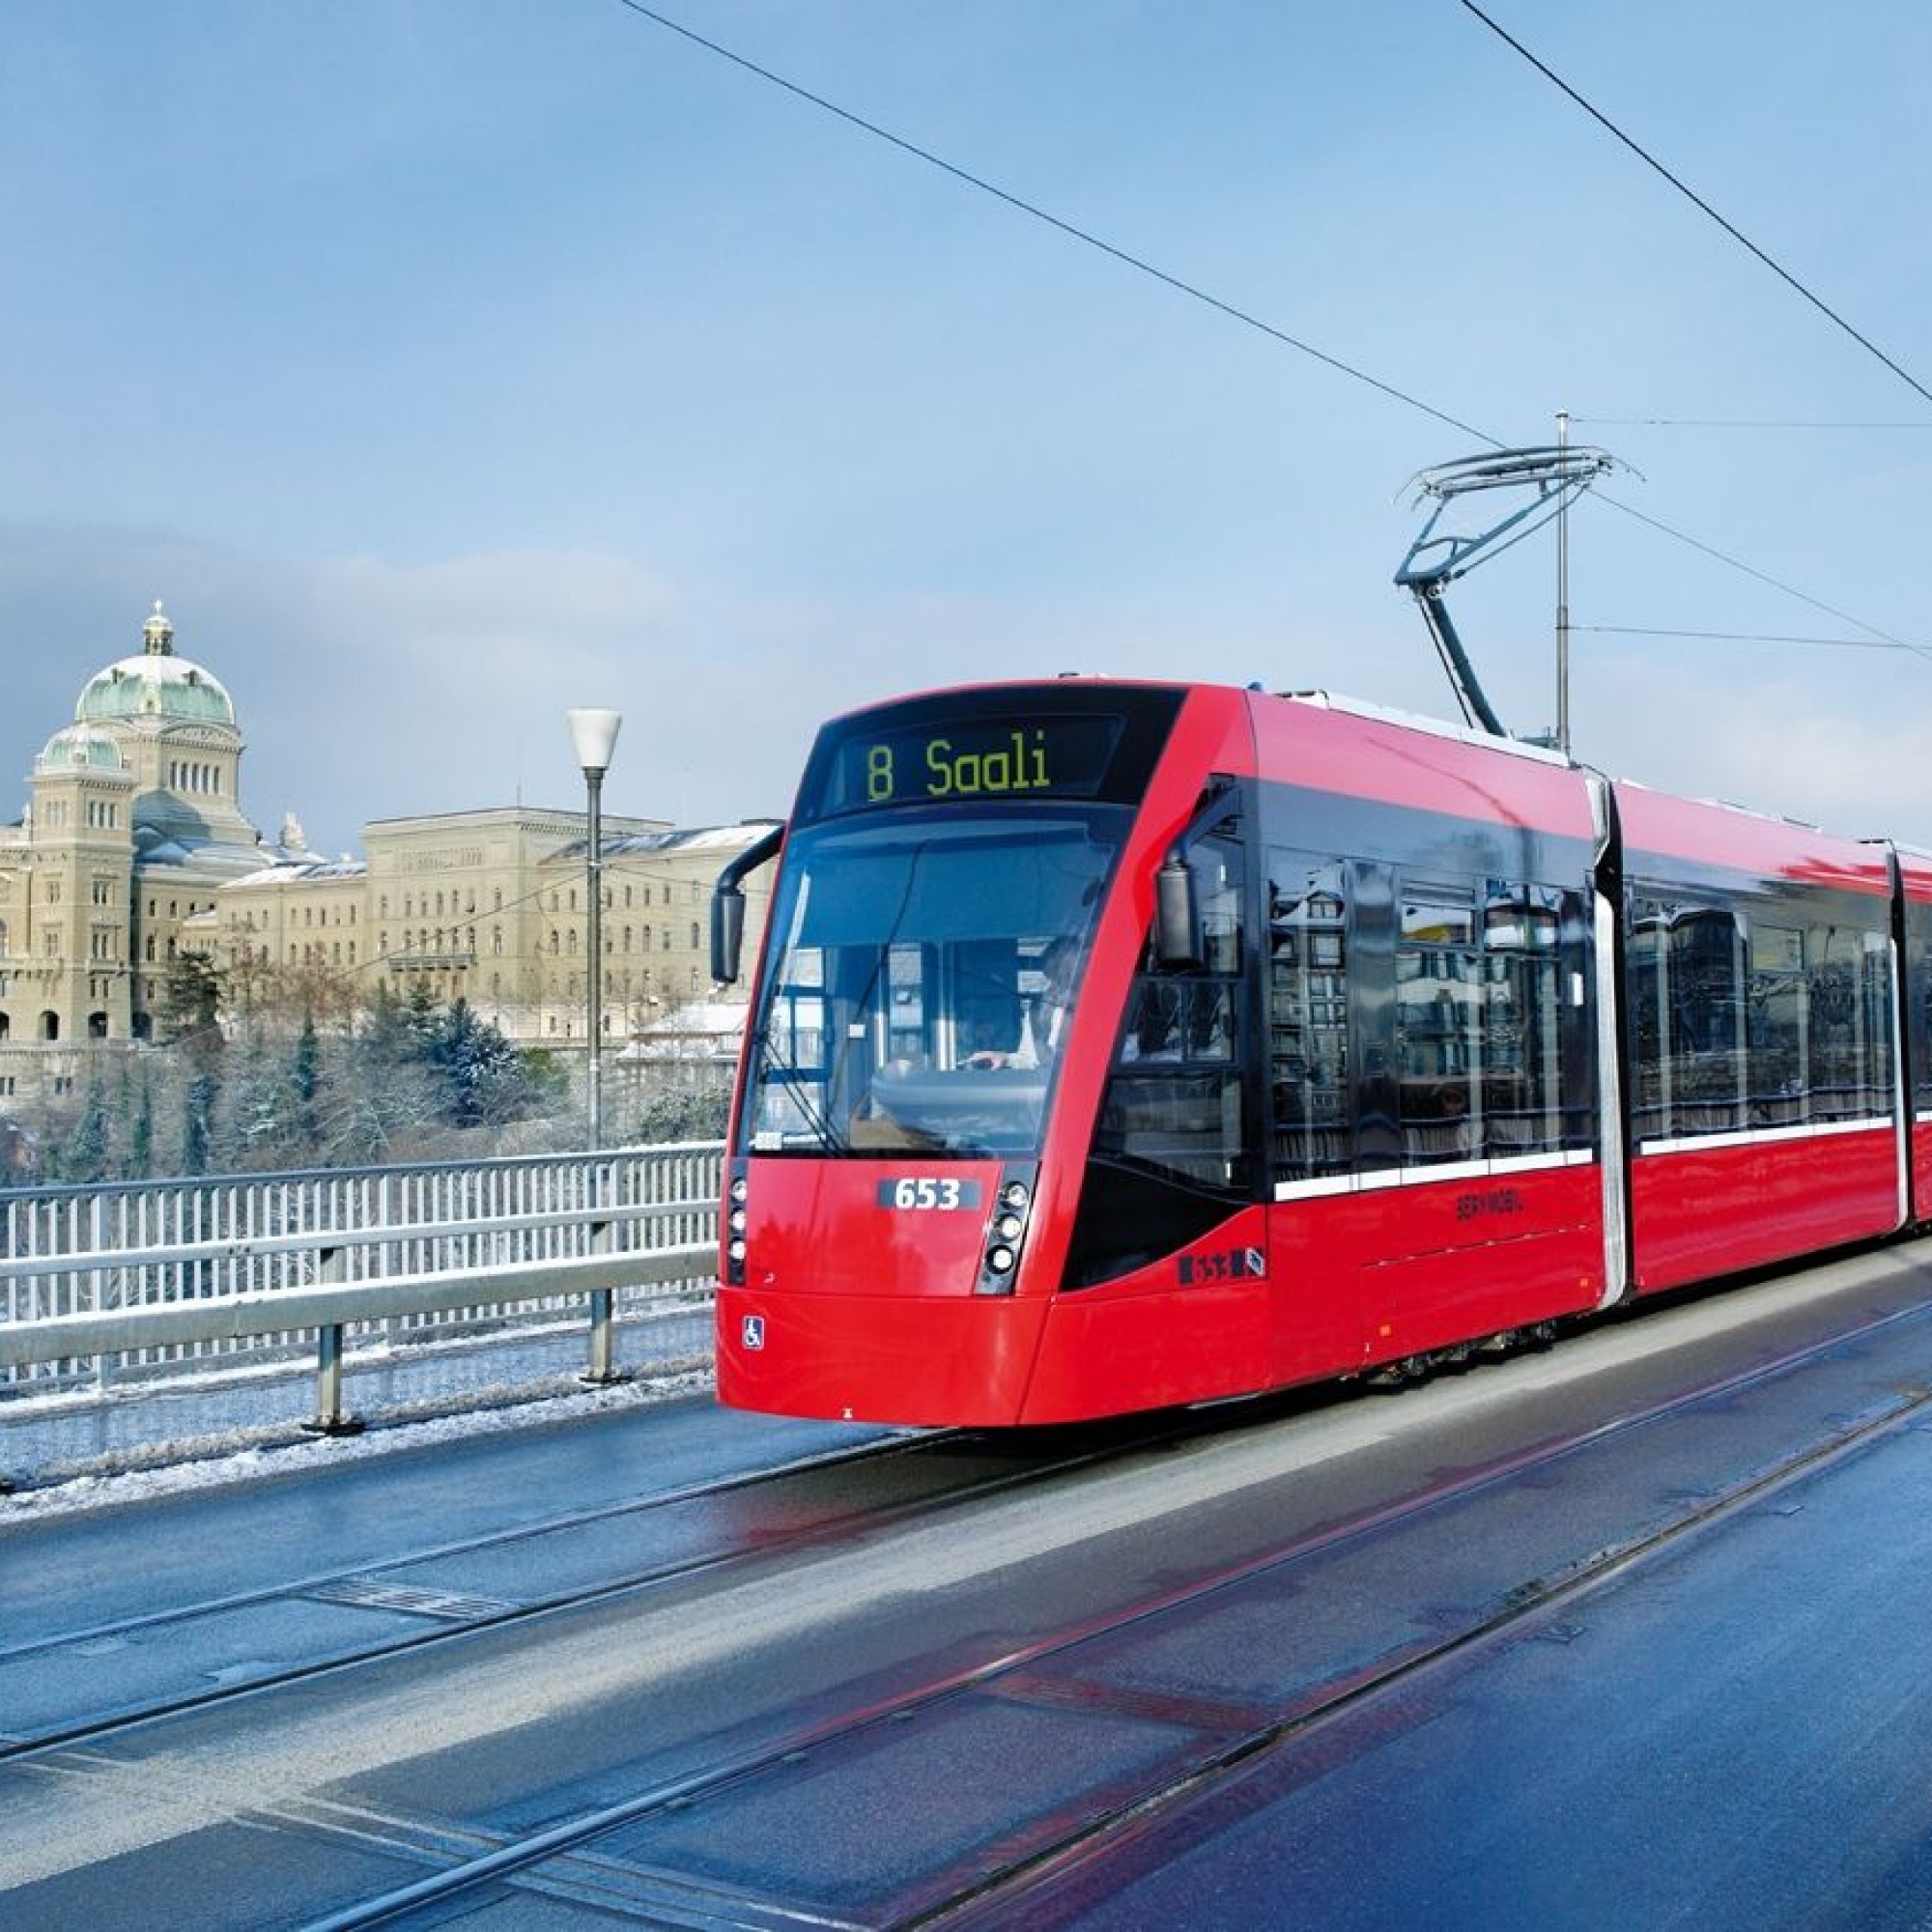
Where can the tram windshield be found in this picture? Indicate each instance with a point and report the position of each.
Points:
(919, 974)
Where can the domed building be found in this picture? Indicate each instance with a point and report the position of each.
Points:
(133, 851)
(132, 824)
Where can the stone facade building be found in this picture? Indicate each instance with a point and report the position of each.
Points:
(132, 826)
(133, 851)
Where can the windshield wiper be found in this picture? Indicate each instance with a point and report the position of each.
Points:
(773, 1063)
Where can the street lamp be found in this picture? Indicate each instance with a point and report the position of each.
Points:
(594, 734)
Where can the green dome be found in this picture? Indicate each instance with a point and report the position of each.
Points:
(167, 688)
(157, 684)
(79, 748)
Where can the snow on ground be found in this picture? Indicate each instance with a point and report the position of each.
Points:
(96, 1449)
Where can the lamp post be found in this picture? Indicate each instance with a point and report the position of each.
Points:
(594, 734)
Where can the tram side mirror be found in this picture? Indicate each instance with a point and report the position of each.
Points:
(728, 934)
(727, 906)
(1176, 914)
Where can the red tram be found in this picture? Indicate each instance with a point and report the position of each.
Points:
(1118, 1045)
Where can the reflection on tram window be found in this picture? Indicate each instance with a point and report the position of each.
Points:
(1308, 1015)
(921, 976)
(1174, 1102)
(1478, 1022)
(1741, 1019)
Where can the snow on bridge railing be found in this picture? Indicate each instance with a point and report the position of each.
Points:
(142, 1278)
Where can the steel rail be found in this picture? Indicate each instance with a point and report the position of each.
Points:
(993, 1898)
(488, 1617)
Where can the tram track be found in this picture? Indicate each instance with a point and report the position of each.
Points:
(449, 1616)
(607, 1855)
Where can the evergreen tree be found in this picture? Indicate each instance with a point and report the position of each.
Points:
(141, 1132)
(191, 997)
(306, 1082)
(84, 1156)
(198, 1124)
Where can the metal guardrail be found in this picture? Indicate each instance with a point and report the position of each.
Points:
(222, 1270)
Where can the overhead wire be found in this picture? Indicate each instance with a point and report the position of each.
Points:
(1730, 422)
(1141, 266)
(1690, 194)
(1754, 637)
(1762, 577)
(1139, 263)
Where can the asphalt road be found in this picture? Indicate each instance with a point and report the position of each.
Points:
(1576, 1639)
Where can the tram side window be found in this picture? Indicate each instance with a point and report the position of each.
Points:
(1438, 1027)
(1777, 1024)
(1919, 1008)
(1687, 1010)
(1851, 1032)
(1174, 1099)
(1741, 1021)
(1478, 1022)
(1308, 1015)
(1523, 1096)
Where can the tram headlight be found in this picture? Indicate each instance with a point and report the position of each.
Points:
(1006, 1232)
(737, 1191)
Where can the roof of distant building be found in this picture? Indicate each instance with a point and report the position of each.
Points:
(303, 867)
(694, 838)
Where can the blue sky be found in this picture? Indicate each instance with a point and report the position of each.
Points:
(444, 366)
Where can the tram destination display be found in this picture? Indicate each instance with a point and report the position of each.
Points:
(961, 759)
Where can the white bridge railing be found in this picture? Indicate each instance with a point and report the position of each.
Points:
(145, 1278)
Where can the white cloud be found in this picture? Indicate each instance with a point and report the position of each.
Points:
(1833, 755)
